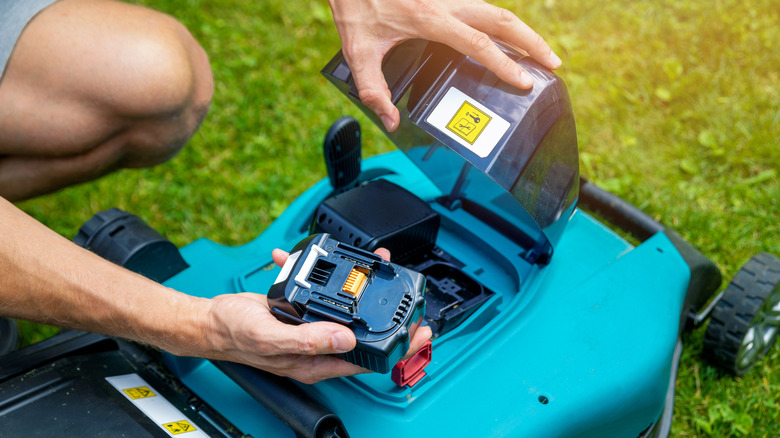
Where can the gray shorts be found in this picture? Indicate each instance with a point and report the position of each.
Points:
(14, 16)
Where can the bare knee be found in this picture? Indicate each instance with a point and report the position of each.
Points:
(170, 100)
(110, 70)
(167, 94)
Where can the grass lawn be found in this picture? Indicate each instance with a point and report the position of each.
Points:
(678, 112)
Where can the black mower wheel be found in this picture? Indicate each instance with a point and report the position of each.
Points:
(745, 322)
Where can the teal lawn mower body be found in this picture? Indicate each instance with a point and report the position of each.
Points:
(576, 332)
(547, 320)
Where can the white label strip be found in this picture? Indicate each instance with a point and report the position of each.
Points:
(157, 408)
(468, 122)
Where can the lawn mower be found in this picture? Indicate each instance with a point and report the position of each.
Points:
(556, 308)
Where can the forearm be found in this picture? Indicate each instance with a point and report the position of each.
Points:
(46, 278)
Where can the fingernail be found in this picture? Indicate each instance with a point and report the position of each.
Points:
(555, 61)
(341, 342)
(525, 80)
(388, 122)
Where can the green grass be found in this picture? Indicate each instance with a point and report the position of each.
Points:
(678, 112)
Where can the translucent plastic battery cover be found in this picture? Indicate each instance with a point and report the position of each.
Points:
(508, 151)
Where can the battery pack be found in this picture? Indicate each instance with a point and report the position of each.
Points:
(327, 280)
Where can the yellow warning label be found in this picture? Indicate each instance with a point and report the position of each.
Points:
(178, 427)
(468, 122)
(140, 392)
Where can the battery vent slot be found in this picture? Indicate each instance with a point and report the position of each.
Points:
(321, 272)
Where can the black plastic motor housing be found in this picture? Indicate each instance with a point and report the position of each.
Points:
(380, 214)
(326, 280)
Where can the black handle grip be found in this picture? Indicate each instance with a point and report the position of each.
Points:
(307, 417)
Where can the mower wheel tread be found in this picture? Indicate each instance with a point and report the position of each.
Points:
(743, 303)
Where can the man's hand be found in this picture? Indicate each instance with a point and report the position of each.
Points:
(370, 28)
(244, 330)
(419, 335)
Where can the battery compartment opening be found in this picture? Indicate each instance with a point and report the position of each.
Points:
(451, 296)
(379, 213)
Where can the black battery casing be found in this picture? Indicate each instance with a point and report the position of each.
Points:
(312, 287)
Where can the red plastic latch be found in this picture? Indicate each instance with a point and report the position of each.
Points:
(412, 370)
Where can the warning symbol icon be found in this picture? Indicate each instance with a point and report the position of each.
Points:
(139, 392)
(464, 127)
(178, 427)
(468, 122)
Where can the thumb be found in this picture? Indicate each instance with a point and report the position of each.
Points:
(313, 338)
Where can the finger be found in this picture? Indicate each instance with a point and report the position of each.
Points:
(308, 339)
(279, 256)
(509, 28)
(420, 337)
(478, 45)
(372, 87)
(384, 253)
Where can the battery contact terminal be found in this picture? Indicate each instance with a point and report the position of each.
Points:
(356, 281)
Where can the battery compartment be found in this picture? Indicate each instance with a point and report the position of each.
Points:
(451, 296)
(409, 230)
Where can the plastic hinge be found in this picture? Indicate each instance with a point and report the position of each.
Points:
(410, 371)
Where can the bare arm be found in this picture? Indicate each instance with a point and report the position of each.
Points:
(46, 278)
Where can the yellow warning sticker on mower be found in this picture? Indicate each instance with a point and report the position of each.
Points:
(155, 406)
(468, 122)
(140, 392)
(178, 427)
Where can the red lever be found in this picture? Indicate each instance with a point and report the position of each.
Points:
(412, 370)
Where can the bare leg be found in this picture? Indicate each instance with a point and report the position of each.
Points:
(94, 86)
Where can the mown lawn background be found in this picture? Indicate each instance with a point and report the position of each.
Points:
(677, 106)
